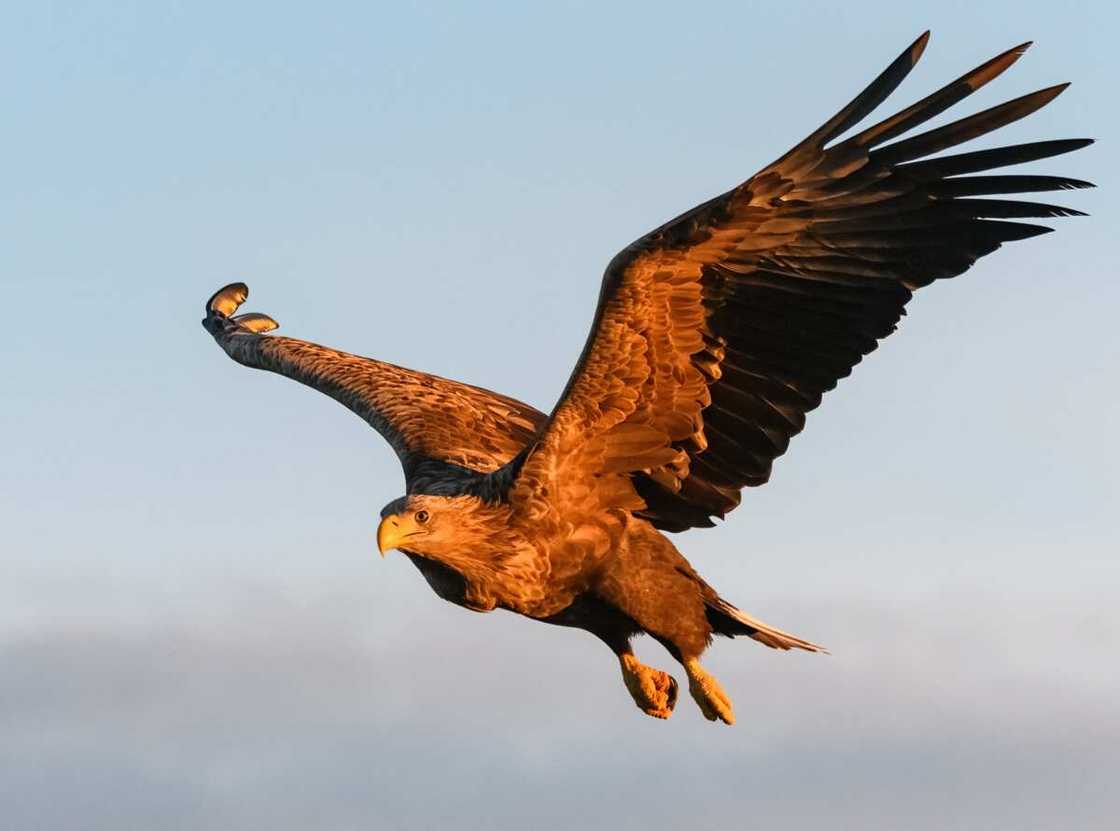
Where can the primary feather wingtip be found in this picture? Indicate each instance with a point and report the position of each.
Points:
(226, 300)
(935, 103)
(256, 322)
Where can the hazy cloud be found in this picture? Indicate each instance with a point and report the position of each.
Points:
(289, 717)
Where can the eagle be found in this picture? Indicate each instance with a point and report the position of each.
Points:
(714, 336)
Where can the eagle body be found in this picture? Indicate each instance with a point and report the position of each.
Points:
(714, 337)
(616, 561)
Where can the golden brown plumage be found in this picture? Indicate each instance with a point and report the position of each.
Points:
(714, 336)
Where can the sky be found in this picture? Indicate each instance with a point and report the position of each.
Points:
(195, 628)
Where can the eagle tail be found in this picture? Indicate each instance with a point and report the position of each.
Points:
(730, 621)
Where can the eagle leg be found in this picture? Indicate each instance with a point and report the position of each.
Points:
(708, 693)
(654, 691)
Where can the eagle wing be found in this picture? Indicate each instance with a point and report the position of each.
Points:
(716, 333)
(430, 422)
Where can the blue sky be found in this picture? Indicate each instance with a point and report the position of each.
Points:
(194, 628)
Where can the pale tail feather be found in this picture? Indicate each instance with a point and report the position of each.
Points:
(762, 632)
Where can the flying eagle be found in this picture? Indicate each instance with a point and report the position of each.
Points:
(714, 335)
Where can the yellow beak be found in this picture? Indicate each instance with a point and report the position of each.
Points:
(393, 531)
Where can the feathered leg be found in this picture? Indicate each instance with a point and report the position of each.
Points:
(702, 685)
(652, 584)
(707, 693)
(654, 691)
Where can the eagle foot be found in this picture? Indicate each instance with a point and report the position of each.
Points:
(708, 694)
(219, 314)
(654, 691)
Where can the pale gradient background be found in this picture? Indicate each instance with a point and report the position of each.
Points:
(195, 630)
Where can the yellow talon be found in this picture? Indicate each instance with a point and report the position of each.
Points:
(708, 693)
(654, 691)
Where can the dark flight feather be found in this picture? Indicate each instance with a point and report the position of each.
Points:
(737, 315)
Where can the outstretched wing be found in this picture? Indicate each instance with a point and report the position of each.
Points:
(430, 421)
(716, 333)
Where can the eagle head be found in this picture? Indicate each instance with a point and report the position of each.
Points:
(439, 526)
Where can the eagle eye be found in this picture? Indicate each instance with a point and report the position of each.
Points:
(422, 516)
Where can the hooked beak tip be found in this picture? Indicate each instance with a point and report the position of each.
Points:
(384, 533)
(389, 535)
